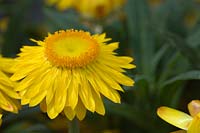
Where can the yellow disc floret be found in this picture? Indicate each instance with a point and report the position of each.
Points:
(71, 48)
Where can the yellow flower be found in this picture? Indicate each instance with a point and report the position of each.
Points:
(189, 123)
(61, 4)
(97, 8)
(69, 71)
(8, 96)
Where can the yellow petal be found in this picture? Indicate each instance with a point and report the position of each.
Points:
(194, 126)
(51, 76)
(69, 113)
(86, 95)
(80, 110)
(72, 91)
(37, 99)
(107, 79)
(6, 64)
(52, 113)
(194, 107)
(61, 91)
(174, 117)
(99, 107)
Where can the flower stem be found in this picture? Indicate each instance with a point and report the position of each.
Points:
(74, 126)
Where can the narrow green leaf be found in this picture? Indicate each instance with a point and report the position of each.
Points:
(184, 76)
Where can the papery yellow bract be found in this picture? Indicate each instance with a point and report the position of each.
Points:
(191, 124)
(8, 96)
(69, 72)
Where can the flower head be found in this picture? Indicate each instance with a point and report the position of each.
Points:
(70, 71)
(190, 123)
(97, 8)
(8, 96)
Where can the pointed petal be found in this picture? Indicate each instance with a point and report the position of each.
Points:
(174, 117)
(99, 107)
(69, 113)
(194, 107)
(72, 91)
(80, 110)
(194, 126)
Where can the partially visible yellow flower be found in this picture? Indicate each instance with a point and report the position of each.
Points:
(8, 96)
(61, 4)
(189, 123)
(70, 71)
(97, 8)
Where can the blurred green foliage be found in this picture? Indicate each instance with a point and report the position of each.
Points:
(163, 36)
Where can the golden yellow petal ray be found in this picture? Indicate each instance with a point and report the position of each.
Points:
(105, 89)
(51, 76)
(6, 103)
(69, 113)
(51, 112)
(23, 72)
(85, 93)
(106, 78)
(5, 80)
(99, 107)
(25, 101)
(6, 64)
(25, 83)
(38, 42)
(72, 91)
(35, 87)
(117, 76)
(194, 126)
(120, 61)
(9, 91)
(174, 117)
(91, 80)
(110, 47)
(80, 110)
(60, 91)
(101, 38)
(37, 99)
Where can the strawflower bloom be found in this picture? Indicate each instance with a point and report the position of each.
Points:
(189, 123)
(69, 72)
(61, 4)
(8, 96)
(97, 8)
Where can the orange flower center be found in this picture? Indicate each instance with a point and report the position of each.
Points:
(71, 48)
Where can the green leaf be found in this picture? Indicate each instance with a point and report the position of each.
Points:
(158, 56)
(140, 33)
(190, 53)
(184, 76)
